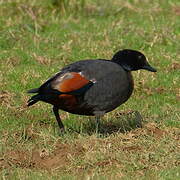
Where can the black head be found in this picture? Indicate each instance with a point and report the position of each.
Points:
(132, 60)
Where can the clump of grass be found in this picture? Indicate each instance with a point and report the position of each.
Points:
(69, 6)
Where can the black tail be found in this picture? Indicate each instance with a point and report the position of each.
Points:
(36, 90)
(34, 99)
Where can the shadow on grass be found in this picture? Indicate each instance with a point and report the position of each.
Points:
(119, 123)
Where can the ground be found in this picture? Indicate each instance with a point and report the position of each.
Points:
(139, 139)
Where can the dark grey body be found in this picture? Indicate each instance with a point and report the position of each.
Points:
(113, 86)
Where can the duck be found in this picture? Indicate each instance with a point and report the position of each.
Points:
(91, 87)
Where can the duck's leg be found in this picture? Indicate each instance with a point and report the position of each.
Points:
(98, 115)
(97, 123)
(56, 113)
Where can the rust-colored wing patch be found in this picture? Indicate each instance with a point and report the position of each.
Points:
(70, 81)
(77, 81)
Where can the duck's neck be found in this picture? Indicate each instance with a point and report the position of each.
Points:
(122, 64)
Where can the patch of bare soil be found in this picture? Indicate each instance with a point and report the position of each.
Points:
(174, 65)
(131, 148)
(108, 162)
(41, 159)
(152, 129)
(176, 10)
(150, 91)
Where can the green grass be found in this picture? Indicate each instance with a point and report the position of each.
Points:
(37, 38)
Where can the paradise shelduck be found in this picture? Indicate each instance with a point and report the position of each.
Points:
(91, 87)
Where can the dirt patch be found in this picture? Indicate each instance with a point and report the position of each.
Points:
(108, 162)
(58, 159)
(131, 148)
(176, 10)
(149, 129)
(150, 91)
(152, 129)
(41, 159)
(14, 159)
(174, 66)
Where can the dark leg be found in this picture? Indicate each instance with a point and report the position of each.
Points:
(56, 113)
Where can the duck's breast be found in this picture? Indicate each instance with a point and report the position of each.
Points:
(109, 92)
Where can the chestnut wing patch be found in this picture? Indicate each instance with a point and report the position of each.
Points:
(71, 83)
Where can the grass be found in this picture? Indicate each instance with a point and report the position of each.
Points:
(37, 38)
